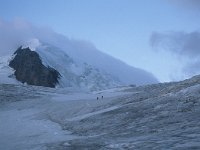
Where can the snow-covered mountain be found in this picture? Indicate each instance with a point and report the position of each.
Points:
(82, 67)
(80, 62)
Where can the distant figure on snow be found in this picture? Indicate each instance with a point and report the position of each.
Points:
(102, 97)
(97, 98)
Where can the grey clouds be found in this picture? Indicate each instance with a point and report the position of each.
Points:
(192, 4)
(185, 46)
(181, 43)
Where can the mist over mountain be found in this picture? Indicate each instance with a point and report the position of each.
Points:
(70, 56)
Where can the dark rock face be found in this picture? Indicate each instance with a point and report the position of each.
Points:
(29, 68)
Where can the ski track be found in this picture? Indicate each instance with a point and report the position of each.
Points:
(92, 114)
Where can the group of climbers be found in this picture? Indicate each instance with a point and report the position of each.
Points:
(101, 97)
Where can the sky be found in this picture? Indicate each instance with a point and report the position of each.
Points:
(160, 36)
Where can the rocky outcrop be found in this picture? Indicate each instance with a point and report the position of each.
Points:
(29, 69)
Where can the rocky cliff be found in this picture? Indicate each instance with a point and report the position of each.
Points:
(29, 69)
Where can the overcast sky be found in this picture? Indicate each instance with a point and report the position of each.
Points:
(160, 36)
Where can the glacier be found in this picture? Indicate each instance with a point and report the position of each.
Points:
(157, 116)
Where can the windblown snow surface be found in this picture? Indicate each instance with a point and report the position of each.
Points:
(159, 116)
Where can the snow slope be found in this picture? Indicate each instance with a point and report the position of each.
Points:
(158, 116)
(29, 107)
(74, 74)
(6, 73)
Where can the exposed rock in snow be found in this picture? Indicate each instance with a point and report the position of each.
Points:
(29, 69)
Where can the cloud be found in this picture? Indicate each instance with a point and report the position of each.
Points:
(192, 68)
(191, 4)
(186, 46)
(20, 32)
(181, 43)
(13, 34)
(32, 44)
